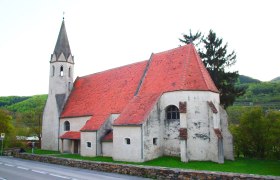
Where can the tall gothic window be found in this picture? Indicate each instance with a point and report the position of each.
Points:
(66, 126)
(172, 113)
(61, 70)
(69, 72)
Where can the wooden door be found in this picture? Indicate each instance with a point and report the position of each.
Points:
(76, 147)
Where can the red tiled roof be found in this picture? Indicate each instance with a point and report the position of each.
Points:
(103, 93)
(71, 135)
(112, 91)
(94, 123)
(176, 69)
(108, 137)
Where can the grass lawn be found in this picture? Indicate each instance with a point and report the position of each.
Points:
(41, 151)
(240, 165)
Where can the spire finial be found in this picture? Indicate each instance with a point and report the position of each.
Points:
(63, 15)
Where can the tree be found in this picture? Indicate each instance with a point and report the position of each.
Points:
(216, 60)
(6, 125)
(33, 120)
(272, 134)
(258, 134)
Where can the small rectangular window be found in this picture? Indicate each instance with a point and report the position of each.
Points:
(155, 141)
(127, 140)
(88, 144)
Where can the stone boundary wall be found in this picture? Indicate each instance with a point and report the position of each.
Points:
(138, 170)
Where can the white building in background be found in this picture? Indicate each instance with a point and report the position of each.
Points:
(167, 105)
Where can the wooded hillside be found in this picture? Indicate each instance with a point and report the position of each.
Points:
(265, 94)
(23, 104)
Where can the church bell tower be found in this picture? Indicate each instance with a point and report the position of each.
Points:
(60, 85)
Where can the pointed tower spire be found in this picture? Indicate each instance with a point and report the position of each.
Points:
(62, 43)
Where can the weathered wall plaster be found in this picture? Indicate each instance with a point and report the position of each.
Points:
(128, 152)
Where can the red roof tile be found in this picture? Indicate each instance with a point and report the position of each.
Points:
(108, 137)
(112, 91)
(71, 135)
(94, 123)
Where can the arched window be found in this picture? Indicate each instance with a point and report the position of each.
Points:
(66, 126)
(61, 70)
(172, 113)
(53, 70)
(69, 72)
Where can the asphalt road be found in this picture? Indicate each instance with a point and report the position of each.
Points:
(19, 169)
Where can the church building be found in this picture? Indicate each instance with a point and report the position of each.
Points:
(166, 105)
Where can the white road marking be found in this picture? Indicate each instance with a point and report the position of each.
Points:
(36, 171)
(9, 165)
(22, 168)
(56, 175)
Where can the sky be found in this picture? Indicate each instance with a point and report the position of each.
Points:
(107, 34)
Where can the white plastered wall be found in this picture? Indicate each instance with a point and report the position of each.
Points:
(50, 125)
(88, 137)
(152, 128)
(202, 141)
(227, 136)
(107, 149)
(128, 152)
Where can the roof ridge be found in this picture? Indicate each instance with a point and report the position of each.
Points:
(185, 66)
(144, 74)
(170, 50)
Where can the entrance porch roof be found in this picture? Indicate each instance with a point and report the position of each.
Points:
(73, 135)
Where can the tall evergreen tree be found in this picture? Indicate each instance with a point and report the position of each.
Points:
(216, 59)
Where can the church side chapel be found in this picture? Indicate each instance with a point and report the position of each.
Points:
(166, 105)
